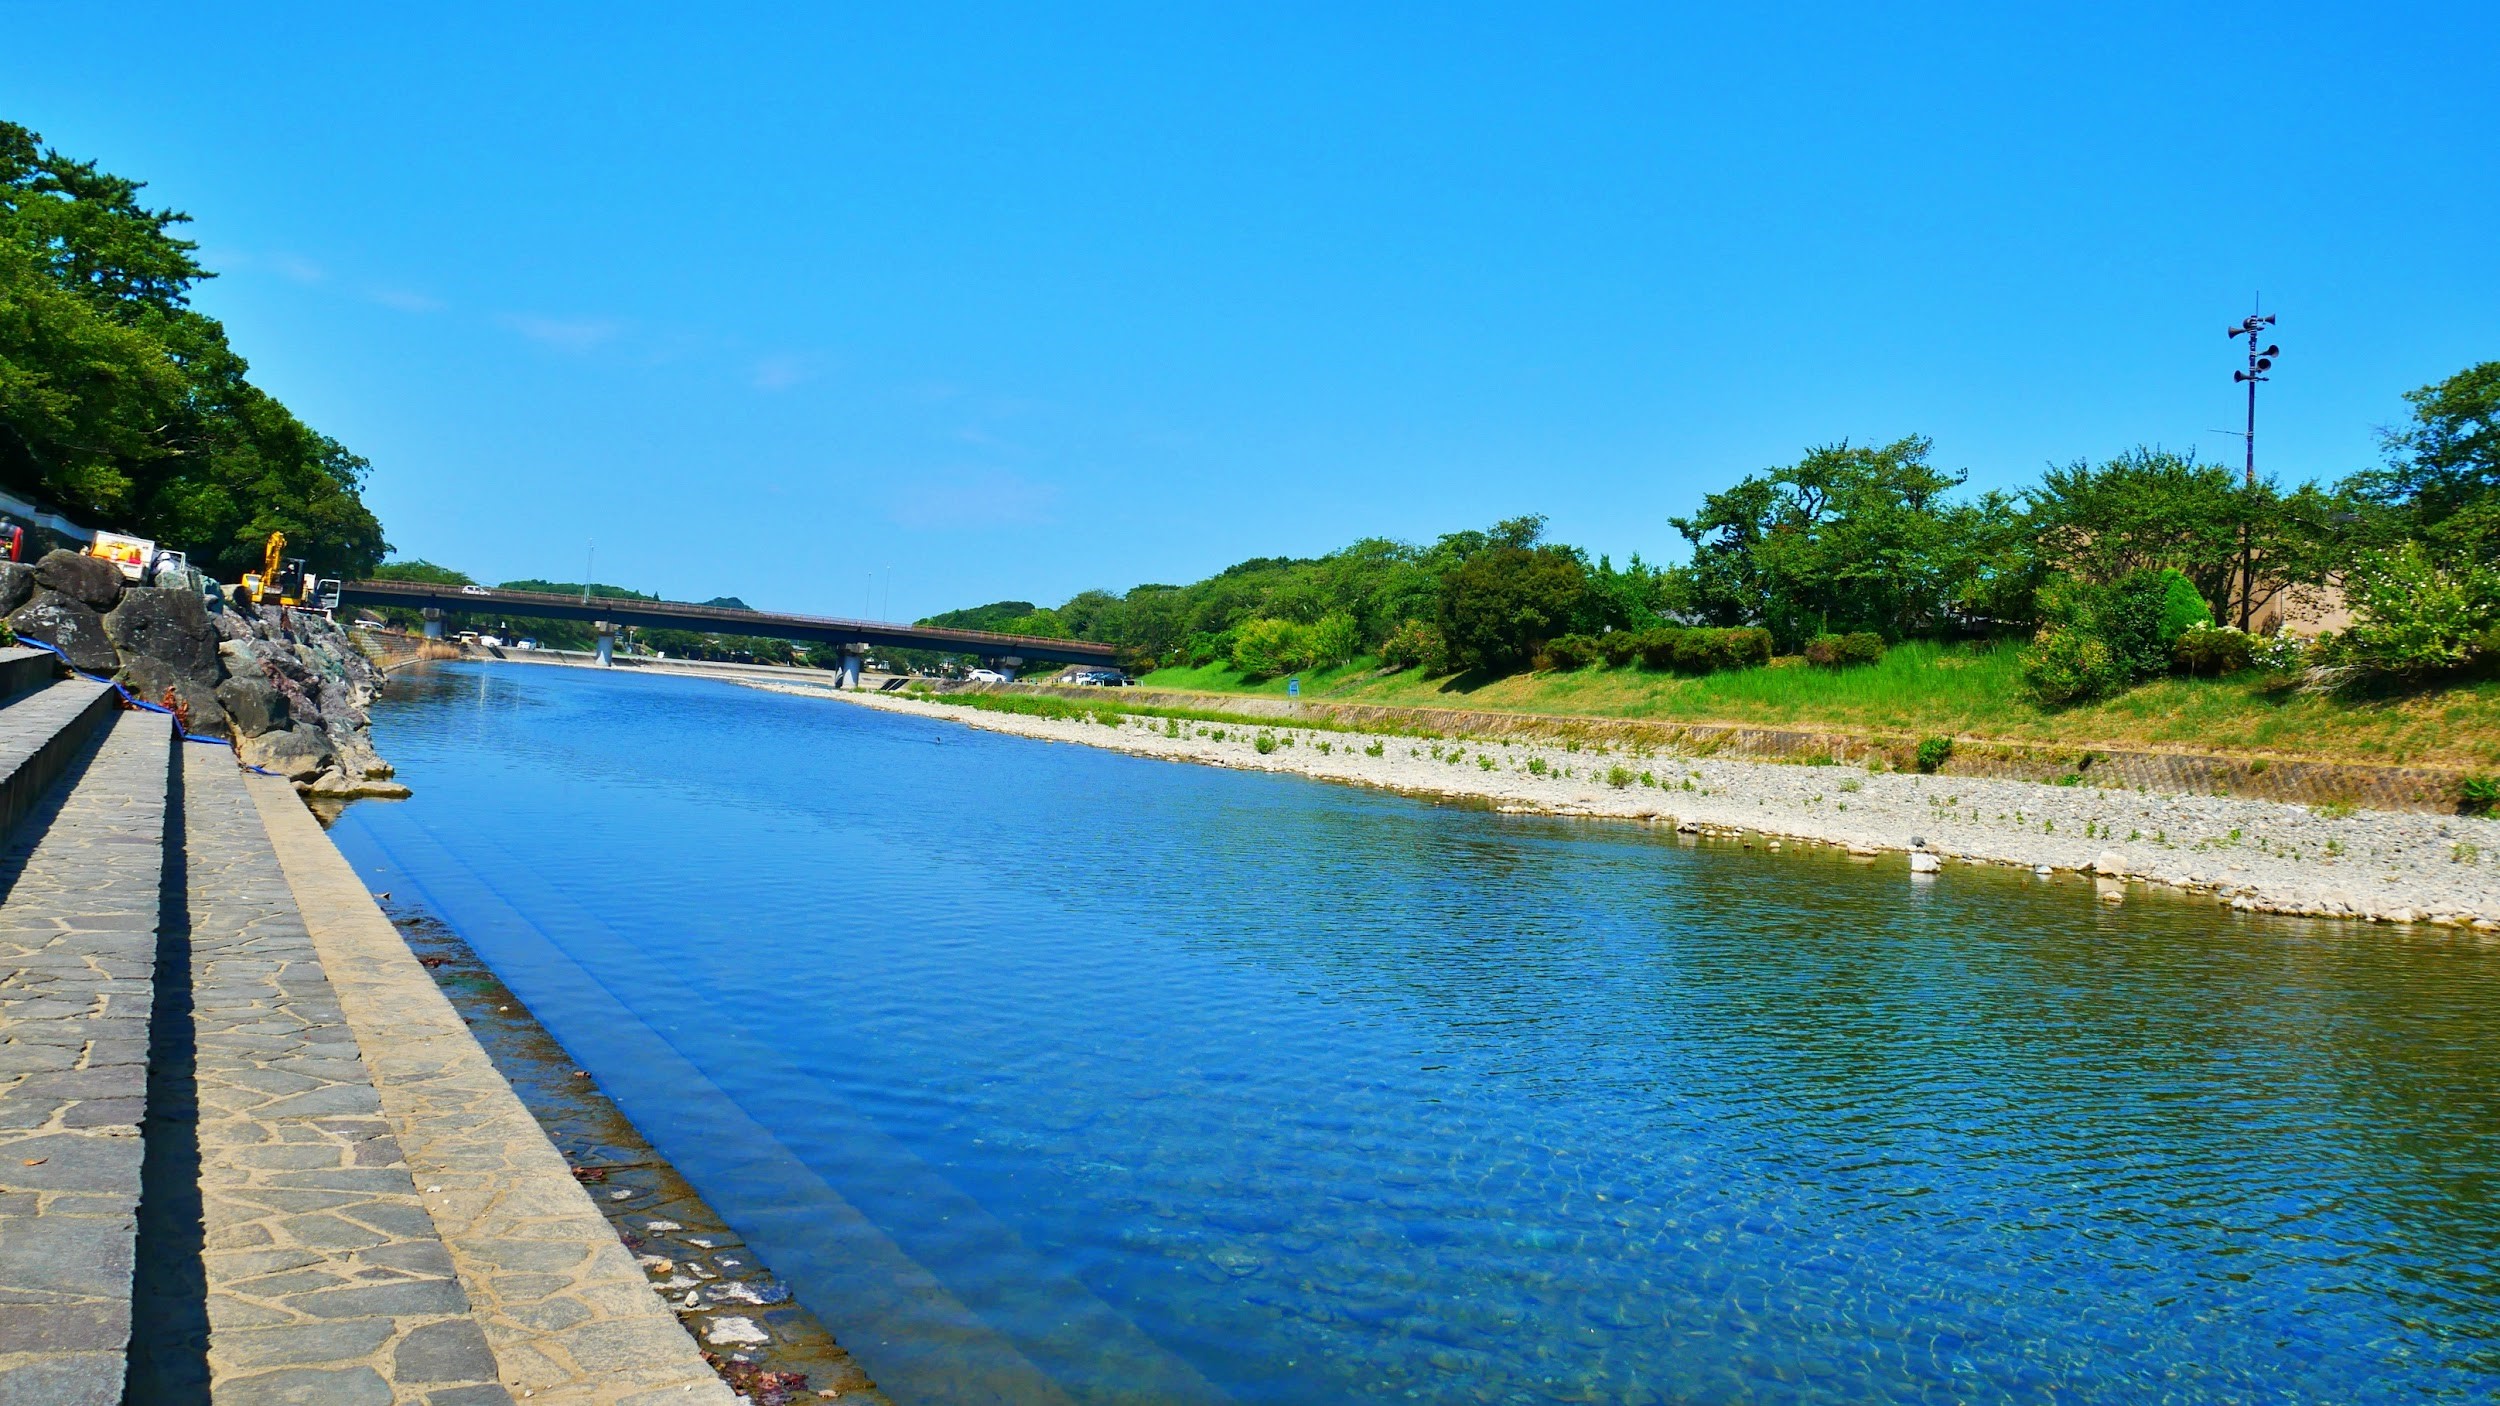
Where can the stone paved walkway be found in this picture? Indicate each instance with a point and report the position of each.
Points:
(326, 1280)
(77, 960)
(570, 1315)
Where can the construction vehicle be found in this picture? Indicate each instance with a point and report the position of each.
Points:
(281, 576)
(258, 584)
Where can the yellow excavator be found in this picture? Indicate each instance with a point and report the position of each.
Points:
(279, 575)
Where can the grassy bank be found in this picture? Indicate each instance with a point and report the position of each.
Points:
(1960, 690)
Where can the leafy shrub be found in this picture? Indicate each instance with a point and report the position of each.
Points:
(1571, 652)
(1842, 651)
(2183, 607)
(2281, 654)
(1208, 647)
(2097, 639)
(1416, 645)
(1700, 651)
(2480, 795)
(2206, 649)
(1334, 640)
(1934, 752)
(1263, 648)
(1375, 749)
(1621, 647)
(2068, 664)
(1265, 742)
(2416, 617)
(1619, 776)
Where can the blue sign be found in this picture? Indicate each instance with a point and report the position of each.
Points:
(1293, 688)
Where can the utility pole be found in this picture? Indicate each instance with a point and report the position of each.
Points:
(2259, 363)
(591, 564)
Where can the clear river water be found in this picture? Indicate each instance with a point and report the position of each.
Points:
(1046, 1074)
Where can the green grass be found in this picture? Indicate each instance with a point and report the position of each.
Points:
(1925, 689)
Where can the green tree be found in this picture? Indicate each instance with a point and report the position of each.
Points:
(2415, 617)
(2441, 479)
(421, 570)
(1505, 600)
(1851, 537)
(123, 406)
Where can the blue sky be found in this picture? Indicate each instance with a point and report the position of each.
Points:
(1007, 302)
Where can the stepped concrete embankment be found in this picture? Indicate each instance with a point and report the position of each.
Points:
(247, 1150)
(287, 686)
(2329, 860)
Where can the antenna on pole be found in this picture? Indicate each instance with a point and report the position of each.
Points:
(2260, 361)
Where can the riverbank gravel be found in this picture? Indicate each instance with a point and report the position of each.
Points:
(2260, 856)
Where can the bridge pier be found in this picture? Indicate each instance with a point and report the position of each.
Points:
(433, 622)
(1008, 664)
(852, 657)
(607, 643)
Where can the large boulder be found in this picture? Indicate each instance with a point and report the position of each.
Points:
(156, 682)
(91, 581)
(253, 705)
(167, 625)
(69, 625)
(168, 645)
(17, 585)
(298, 753)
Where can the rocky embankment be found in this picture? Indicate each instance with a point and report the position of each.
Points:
(287, 686)
(2263, 856)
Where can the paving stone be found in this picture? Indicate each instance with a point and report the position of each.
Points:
(324, 1271)
(83, 875)
(63, 1379)
(445, 1352)
(307, 1386)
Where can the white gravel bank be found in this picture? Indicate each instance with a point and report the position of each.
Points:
(2259, 855)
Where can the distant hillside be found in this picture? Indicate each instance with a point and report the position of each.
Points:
(997, 617)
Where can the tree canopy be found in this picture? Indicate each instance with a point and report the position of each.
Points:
(124, 407)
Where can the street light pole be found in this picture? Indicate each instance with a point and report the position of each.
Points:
(2259, 363)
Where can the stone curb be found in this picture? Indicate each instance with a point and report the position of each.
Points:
(569, 1314)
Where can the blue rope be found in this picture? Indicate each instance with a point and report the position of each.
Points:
(131, 699)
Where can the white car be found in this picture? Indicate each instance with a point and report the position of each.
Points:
(986, 676)
(475, 591)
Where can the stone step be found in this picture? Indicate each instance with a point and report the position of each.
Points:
(24, 669)
(570, 1316)
(83, 883)
(294, 1259)
(41, 731)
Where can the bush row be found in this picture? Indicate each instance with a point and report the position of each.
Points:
(1842, 651)
(1684, 649)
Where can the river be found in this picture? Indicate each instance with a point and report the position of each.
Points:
(1045, 1073)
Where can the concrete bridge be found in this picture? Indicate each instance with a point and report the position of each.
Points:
(1006, 653)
